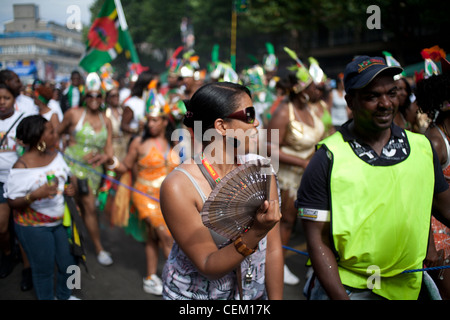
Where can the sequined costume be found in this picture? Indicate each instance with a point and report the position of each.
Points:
(300, 141)
(152, 170)
(87, 140)
(119, 141)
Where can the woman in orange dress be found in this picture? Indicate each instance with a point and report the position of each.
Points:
(150, 157)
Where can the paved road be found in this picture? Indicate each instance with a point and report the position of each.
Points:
(123, 279)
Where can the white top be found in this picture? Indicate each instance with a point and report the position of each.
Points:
(124, 93)
(8, 154)
(137, 105)
(24, 180)
(75, 95)
(56, 108)
(339, 109)
(26, 104)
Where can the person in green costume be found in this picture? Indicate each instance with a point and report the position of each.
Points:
(367, 195)
(89, 148)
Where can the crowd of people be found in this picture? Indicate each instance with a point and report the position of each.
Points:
(363, 164)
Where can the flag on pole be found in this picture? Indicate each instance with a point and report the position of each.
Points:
(108, 37)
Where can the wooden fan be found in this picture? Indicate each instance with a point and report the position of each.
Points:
(232, 205)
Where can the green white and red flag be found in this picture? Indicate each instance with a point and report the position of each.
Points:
(108, 37)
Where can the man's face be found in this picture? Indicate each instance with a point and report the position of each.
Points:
(15, 84)
(76, 79)
(374, 106)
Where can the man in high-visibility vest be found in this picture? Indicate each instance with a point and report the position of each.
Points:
(367, 196)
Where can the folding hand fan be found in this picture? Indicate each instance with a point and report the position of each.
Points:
(232, 205)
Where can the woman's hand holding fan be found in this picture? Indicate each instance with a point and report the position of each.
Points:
(240, 201)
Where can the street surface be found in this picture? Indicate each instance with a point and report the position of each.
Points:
(123, 279)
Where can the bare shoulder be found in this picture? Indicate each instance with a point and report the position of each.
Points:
(20, 163)
(136, 142)
(179, 183)
(437, 142)
(176, 180)
(178, 194)
(281, 114)
(73, 114)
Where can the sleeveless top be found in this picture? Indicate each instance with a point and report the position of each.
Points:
(300, 140)
(182, 281)
(441, 233)
(118, 139)
(87, 140)
(339, 109)
(446, 165)
(152, 170)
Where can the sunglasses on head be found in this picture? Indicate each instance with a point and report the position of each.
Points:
(247, 115)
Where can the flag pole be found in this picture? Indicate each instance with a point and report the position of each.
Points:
(124, 26)
(121, 15)
(233, 38)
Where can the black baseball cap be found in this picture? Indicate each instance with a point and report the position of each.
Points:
(363, 69)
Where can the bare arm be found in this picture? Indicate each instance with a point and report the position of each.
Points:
(108, 152)
(127, 116)
(180, 210)
(64, 126)
(441, 207)
(441, 201)
(130, 159)
(323, 259)
(274, 257)
(43, 191)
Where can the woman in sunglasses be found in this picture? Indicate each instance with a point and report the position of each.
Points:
(203, 264)
(90, 145)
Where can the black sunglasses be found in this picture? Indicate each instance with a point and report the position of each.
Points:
(93, 95)
(247, 115)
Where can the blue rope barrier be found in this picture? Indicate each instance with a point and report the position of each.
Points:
(427, 269)
(108, 177)
(296, 251)
(147, 195)
(406, 271)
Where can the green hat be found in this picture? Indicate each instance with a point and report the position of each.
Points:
(304, 79)
(270, 60)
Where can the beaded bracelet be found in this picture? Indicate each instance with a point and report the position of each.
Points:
(242, 248)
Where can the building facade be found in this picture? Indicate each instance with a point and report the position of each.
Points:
(39, 49)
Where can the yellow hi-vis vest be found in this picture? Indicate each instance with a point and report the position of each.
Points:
(380, 217)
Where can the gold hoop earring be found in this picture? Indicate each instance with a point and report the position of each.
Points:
(41, 146)
(304, 98)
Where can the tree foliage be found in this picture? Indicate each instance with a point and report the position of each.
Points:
(157, 22)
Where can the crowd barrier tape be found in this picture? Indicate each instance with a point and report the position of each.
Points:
(104, 176)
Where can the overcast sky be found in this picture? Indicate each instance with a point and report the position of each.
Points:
(50, 10)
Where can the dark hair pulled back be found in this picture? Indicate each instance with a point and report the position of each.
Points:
(212, 101)
(30, 129)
